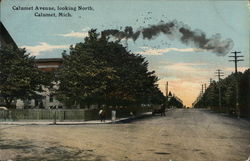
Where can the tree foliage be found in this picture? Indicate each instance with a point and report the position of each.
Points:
(175, 102)
(99, 71)
(228, 94)
(19, 77)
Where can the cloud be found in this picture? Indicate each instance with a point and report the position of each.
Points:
(188, 71)
(154, 51)
(185, 67)
(43, 47)
(126, 40)
(184, 78)
(185, 90)
(82, 34)
(75, 34)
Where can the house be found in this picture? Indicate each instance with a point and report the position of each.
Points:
(47, 100)
(47, 64)
(5, 37)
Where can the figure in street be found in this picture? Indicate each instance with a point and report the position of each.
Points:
(163, 108)
(102, 115)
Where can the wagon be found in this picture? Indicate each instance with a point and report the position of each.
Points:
(159, 110)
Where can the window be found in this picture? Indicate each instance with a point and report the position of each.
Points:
(36, 102)
(51, 98)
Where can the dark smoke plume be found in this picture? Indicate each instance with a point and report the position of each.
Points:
(128, 33)
(179, 31)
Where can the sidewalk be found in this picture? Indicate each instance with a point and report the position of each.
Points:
(51, 122)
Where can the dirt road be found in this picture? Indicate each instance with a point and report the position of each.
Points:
(183, 135)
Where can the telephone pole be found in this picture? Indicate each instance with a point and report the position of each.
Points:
(236, 59)
(204, 98)
(219, 74)
(210, 81)
(166, 88)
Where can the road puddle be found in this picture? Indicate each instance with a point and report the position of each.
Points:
(162, 153)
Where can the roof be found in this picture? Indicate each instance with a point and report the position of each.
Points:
(5, 37)
(48, 64)
(46, 60)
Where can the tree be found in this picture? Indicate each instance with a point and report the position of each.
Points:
(82, 77)
(228, 94)
(211, 94)
(19, 77)
(175, 102)
(104, 72)
(244, 93)
(157, 97)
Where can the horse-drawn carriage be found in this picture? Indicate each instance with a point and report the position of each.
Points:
(160, 109)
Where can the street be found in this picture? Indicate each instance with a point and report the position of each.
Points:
(183, 135)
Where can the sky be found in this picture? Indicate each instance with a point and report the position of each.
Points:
(185, 65)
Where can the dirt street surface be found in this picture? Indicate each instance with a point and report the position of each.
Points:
(183, 135)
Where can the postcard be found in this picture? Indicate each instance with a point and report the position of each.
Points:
(124, 80)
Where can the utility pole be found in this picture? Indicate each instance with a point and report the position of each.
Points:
(166, 88)
(210, 81)
(219, 74)
(235, 57)
(204, 98)
(201, 96)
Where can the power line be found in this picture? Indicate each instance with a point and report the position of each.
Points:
(204, 98)
(166, 89)
(219, 74)
(236, 59)
(210, 81)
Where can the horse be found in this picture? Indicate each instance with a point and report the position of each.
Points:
(160, 110)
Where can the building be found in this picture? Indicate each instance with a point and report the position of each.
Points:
(48, 64)
(47, 100)
(5, 37)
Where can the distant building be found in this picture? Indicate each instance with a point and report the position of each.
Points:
(48, 64)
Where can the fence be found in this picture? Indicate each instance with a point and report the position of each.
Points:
(244, 110)
(67, 114)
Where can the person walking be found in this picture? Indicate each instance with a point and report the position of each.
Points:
(102, 115)
(163, 108)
